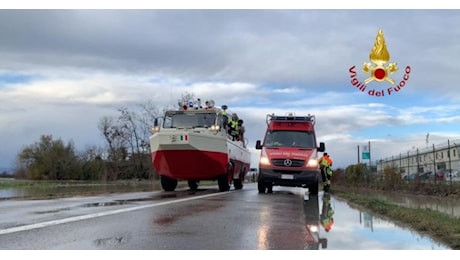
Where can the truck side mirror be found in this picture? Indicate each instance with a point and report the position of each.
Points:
(258, 145)
(322, 147)
(155, 122)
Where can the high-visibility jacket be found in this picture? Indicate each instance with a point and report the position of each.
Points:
(325, 161)
(234, 127)
(225, 119)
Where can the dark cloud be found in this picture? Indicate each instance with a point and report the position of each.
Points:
(295, 46)
(256, 61)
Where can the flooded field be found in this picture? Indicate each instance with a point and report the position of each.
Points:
(21, 189)
(446, 205)
(10, 188)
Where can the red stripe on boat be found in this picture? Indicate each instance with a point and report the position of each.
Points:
(190, 164)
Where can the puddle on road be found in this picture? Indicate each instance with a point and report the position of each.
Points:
(110, 241)
(155, 197)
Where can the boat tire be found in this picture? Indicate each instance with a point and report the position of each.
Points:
(168, 184)
(222, 181)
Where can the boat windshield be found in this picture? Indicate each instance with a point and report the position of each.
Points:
(189, 120)
(301, 139)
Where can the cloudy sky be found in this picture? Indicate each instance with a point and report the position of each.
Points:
(62, 70)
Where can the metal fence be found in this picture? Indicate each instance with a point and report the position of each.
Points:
(440, 162)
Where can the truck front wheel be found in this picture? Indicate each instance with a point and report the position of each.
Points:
(313, 189)
(168, 184)
(261, 186)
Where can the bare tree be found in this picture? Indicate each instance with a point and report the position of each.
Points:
(129, 123)
(138, 125)
(128, 139)
(115, 135)
(93, 167)
(149, 112)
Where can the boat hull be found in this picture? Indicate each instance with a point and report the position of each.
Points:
(197, 156)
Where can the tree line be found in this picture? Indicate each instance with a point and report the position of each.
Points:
(126, 154)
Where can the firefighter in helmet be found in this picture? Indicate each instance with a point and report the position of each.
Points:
(224, 115)
(233, 128)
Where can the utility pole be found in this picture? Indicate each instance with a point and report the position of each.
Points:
(408, 163)
(370, 168)
(418, 165)
(369, 150)
(450, 163)
(358, 153)
(434, 160)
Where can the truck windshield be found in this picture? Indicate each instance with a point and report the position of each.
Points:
(189, 120)
(299, 139)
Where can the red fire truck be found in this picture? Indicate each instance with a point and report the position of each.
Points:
(289, 153)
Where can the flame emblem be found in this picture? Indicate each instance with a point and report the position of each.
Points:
(379, 56)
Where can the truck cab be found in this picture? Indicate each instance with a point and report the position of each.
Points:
(289, 154)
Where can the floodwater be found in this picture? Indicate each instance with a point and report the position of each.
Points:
(350, 224)
(442, 204)
(372, 232)
(65, 189)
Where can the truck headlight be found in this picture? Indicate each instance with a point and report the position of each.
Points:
(264, 158)
(313, 163)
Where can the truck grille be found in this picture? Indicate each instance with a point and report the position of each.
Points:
(288, 162)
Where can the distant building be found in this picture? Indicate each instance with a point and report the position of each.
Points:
(429, 159)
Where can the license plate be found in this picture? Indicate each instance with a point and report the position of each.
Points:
(287, 176)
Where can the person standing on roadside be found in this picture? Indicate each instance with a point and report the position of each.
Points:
(325, 165)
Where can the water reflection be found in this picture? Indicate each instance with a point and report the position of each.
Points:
(312, 223)
(263, 231)
(370, 232)
(447, 206)
(290, 226)
(366, 219)
(327, 213)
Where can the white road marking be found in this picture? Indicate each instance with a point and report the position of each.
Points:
(96, 215)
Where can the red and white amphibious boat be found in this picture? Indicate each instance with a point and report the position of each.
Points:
(192, 144)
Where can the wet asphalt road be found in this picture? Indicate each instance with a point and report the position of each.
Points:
(202, 220)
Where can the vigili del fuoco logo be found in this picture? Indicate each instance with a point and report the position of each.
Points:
(379, 70)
